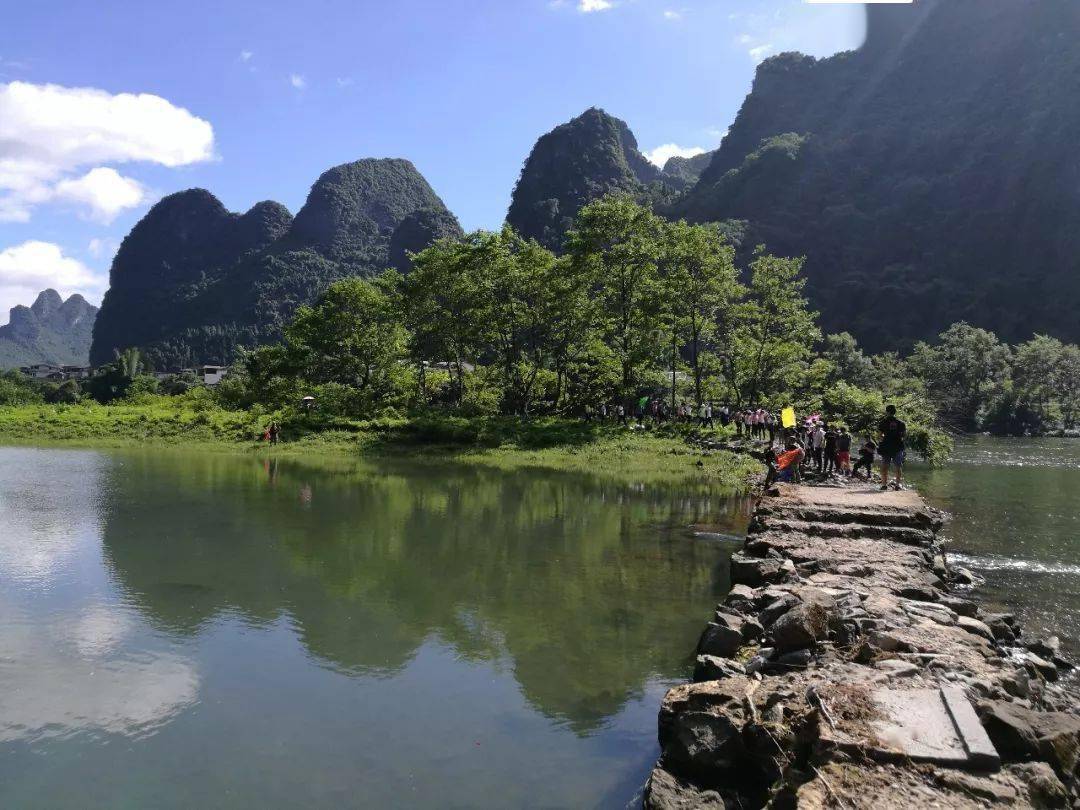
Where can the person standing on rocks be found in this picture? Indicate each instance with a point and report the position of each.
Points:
(891, 447)
(843, 452)
(817, 444)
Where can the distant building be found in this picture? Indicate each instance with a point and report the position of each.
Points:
(77, 372)
(209, 375)
(43, 371)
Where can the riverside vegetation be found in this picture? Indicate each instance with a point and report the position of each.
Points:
(492, 341)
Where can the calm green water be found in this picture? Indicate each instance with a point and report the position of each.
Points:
(186, 631)
(1016, 510)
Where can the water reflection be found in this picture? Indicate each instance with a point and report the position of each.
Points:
(182, 630)
(69, 662)
(574, 585)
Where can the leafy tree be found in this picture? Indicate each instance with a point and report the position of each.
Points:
(351, 336)
(962, 370)
(775, 331)
(442, 308)
(616, 244)
(849, 364)
(701, 289)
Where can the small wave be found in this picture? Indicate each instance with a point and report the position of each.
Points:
(1012, 564)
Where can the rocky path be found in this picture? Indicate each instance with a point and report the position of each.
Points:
(846, 669)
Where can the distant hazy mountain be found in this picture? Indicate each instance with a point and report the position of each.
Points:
(193, 281)
(930, 176)
(51, 330)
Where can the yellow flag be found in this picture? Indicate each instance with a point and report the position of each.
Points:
(787, 417)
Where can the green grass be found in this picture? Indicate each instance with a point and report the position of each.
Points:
(507, 443)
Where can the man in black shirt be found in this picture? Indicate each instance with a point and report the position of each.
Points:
(891, 447)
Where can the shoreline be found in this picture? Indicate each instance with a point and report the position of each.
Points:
(631, 456)
(844, 669)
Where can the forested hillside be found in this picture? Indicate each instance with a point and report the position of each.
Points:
(51, 330)
(580, 161)
(929, 177)
(193, 282)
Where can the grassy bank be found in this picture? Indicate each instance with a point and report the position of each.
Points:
(554, 444)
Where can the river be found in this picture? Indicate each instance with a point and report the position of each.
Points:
(183, 630)
(1016, 521)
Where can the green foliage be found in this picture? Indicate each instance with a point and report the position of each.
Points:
(616, 245)
(15, 389)
(775, 332)
(961, 371)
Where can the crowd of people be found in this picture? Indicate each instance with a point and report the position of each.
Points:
(815, 445)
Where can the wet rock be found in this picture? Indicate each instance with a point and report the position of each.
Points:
(711, 668)
(975, 627)
(720, 640)
(1000, 627)
(802, 626)
(665, 792)
(965, 576)
(1043, 668)
(1048, 648)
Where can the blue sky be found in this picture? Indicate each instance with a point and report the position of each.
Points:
(107, 106)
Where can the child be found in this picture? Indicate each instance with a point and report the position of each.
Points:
(866, 459)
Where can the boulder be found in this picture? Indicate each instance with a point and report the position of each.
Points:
(975, 627)
(711, 668)
(1043, 668)
(720, 640)
(740, 599)
(665, 792)
(752, 571)
(1048, 648)
(801, 627)
(1043, 786)
(965, 576)
(1020, 735)
(777, 608)
(705, 746)
(723, 695)
(962, 607)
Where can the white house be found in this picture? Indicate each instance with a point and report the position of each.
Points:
(209, 375)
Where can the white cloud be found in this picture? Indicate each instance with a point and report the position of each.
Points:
(102, 247)
(29, 268)
(589, 6)
(818, 29)
(48, 133)
(673, 15)
(297, 81)
(662, 154)
(245, 56)
(345, 81)
(103, 191)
